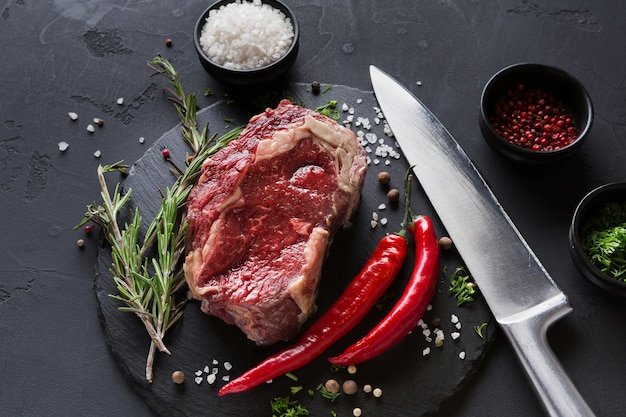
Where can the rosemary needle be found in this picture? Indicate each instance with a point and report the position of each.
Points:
(146, 270)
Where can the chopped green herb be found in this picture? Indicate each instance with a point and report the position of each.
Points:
(335, 368)
(604, 239)
(479, 330)
(329, 109)
(208, 92)
(462, 286)
(285, 407)
(328, 88)
(291, 376)
(327, 394)
(296, 389)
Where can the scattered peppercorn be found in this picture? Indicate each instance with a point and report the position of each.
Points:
(168, 42)
(87, 229)
(445, 243)
(377, 392)
(315, 87)
(534, 119)
(332, 386)
(80, 243)
(393, 195)
(165, 153)
(384, 178)
(367, 388)
(351, 369)
(357, 412)
(349, 387)
(178, 377)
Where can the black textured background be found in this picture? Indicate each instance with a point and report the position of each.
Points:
(73, 55)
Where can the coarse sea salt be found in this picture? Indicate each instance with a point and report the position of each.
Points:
(246, 35)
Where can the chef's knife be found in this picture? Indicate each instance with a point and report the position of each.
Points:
(519, 291)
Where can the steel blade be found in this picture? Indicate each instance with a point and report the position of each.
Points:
(521, 294)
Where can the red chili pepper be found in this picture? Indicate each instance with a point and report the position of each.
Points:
(407, 312)
(353, 304)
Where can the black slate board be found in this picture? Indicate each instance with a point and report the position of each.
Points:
(412, 383)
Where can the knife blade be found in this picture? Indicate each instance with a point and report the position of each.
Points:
(521, 294)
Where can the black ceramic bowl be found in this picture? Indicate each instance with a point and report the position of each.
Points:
(559, 84)
(588, 206)
(248, 77)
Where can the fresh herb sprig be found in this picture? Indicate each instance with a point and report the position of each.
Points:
(147, 271)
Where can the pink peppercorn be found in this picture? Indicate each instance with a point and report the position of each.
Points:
(534, 119)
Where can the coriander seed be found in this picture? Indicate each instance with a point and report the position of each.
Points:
(178, 377)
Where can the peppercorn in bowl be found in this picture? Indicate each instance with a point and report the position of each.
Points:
(597, 237)
(535, 113)
(247, 43)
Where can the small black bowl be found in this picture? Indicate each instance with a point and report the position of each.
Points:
(558, 83)
(594, 200)
(249, 77)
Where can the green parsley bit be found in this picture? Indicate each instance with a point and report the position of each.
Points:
(461, 286)
(479, 330)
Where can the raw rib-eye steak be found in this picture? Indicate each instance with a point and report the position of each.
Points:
(263, 215)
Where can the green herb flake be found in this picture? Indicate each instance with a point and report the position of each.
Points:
(462, 286)
(326, 394)
(286, 407)
(329, 109)
(479, 329)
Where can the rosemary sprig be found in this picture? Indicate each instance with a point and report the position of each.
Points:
(147, 272)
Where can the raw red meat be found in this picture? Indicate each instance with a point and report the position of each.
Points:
(263, 215)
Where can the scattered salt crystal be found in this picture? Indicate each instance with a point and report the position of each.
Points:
(142, 139)
(73, 116)
(419, 83)
(226, 378)
(373, 223)
(458, 325)
(344, 107)
(462, 355)
(97, 154)
(228, 366)
(422, 324)
(455, 335)
(120, 100)
(376, 161)
(359, 100)
(426, 332)
(211, 378)
(199, 372)
(374, 215)
(63, 146)
(426, 351)
(215, 362)
(429, 308)
(382, 206)
(206, 369)
(90, 129)
(454, 318)
(198, 380)
(383, 221)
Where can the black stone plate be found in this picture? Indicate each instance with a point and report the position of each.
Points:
(411, 382)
